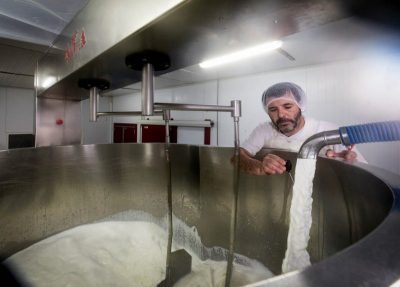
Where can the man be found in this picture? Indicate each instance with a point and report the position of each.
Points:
(288, 129)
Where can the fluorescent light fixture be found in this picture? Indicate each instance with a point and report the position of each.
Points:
(48, 82)
(241, 55)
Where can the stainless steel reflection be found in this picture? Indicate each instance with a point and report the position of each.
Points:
(46, 190)
(51, 131)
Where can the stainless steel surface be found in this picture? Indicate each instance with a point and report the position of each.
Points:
(373, 260)
(93, 103)
(311, 147)
(356, 221)
(48, 131)
(147, 90)
(188, 34)
(119, 114)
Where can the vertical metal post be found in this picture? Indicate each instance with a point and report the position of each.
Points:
(236, 113)
(93, 103)
(147, 89)
(167, 115)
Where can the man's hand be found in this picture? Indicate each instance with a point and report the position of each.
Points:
(348, 155)
(273, 164)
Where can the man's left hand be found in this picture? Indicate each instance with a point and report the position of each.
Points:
(348, 155)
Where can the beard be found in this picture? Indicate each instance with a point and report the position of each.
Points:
(287, 125)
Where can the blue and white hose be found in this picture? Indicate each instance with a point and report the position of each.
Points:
(373, 132)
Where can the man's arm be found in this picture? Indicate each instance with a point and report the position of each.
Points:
(250, 164)
(271, 164)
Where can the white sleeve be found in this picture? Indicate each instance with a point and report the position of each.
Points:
(255, 142)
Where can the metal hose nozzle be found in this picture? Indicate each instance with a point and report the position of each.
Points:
(315, 143)
(372, 132)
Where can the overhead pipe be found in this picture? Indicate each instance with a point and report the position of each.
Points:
(148, 62)
(93, 103)
(94, 86)
(147, 90)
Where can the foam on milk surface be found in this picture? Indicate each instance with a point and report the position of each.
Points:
(121, 253)
(296, 256)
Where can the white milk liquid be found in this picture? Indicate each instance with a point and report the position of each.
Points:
(296, 256)
(123, 253)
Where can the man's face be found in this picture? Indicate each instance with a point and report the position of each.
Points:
(286, 116)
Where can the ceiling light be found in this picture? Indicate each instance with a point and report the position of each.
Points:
(48, 82)
(241, 55)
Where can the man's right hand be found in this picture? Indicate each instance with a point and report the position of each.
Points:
(273, 164)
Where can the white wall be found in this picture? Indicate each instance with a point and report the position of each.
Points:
(17, 113)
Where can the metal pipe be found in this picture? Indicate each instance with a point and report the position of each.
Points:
(132, 113)
(192, 107)
(158, 108)
(234, 108)
(93, 103)
(315, 143)
(167, 116)
(147, 89)
(236, 172)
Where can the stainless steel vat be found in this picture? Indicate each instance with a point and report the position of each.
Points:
(356, 222)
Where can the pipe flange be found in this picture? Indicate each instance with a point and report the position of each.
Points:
(136, 61)
(89, 83)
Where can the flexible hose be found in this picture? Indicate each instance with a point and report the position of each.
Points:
(373, 132)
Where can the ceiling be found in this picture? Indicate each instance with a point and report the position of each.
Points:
(340, 40)
(27, 30)
(29, 27)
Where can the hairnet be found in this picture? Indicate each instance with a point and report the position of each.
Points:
(286, 90)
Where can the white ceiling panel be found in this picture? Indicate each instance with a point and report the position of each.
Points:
(27, 30)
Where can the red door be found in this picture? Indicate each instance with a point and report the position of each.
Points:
(156, 134)
(125, 133)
